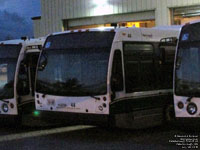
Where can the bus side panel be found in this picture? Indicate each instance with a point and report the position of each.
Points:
(140, 112)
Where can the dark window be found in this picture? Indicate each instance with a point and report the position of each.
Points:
(187, 81)
(23, 80)
(187, 72)
(190, 33)
(80, 40)
(117, 73)
(166, 66)
(8, 60)
(139, 67)
(74, 72)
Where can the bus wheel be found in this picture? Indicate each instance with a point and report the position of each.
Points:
(18, 121)
(169, 114)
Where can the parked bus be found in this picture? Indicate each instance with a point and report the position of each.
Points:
(18, 62)
(118, 76)
(187, 74)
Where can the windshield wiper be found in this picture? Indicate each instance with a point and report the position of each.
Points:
(4, 101)
(97, 98)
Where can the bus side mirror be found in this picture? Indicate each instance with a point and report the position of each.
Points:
(43, 62)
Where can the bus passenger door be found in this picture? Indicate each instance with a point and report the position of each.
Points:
(33, 59)
(26, 80)
(138, 107)
(23, 81)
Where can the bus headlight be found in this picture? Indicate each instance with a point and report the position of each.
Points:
(5, 107)
(192, 108)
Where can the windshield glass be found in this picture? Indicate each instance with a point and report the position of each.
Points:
(75, 64)
(8, 60)
(187, 81)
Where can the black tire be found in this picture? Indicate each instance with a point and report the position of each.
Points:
(169, 115)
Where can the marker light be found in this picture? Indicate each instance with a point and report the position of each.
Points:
(36, 113)
(12, 105)
(192, 108)
(5, 107)
(180, 105)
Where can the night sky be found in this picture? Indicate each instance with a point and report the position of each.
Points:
(15, 18)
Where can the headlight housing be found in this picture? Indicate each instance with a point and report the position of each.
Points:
(192, 108)
(5, 107)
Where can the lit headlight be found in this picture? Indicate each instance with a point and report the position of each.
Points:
(192, 108)
(5, 107)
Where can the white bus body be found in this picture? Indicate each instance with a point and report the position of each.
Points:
(187, 74)
(17, 81)
(79, 72)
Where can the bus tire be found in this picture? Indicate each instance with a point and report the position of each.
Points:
(169, 114)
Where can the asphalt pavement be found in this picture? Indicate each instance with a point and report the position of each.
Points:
(80, 137)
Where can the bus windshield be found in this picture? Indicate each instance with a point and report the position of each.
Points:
(8, 60)
(75, 64)
(187, 71)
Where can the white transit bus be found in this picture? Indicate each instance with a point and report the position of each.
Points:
(18, 62)
(118, 76)
(187, 74)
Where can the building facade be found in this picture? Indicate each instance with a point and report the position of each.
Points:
(60, 15)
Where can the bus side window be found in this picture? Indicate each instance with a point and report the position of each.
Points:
(23, 81)
(139, 67)
(117, 73)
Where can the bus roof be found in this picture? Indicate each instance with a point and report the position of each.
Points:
(28, 42)
(18, 41)
(30, 45)
(192, 22)
(146, 34)
(133, 33)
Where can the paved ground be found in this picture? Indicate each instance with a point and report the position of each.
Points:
(90, 137)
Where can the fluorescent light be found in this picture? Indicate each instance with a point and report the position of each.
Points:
(100, 2)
